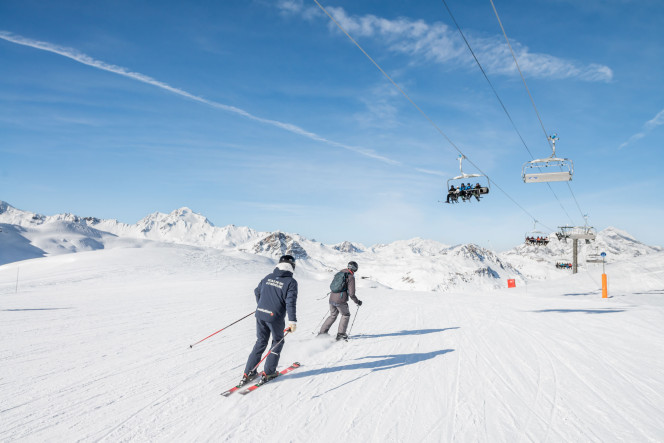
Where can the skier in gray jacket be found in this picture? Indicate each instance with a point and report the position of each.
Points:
(339, 304)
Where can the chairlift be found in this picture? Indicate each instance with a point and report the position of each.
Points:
(562, 262)
(563, 233)
(540, 171)
(586, 233)
(537, 238)
(563, 265)
(589, 233)
(465, 189)
(594, 256)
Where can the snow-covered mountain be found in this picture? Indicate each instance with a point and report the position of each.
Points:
(182, 226)
(278, 244)
(415, 264)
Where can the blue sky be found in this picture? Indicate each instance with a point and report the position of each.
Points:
(264, 114)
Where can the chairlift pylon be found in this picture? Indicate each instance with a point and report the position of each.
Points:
(532, 171)
(466, 190)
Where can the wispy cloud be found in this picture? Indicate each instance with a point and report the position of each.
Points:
(441, 44)
(87, 60)
(431, 172)
(648, 126)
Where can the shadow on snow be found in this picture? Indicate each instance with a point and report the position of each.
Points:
(377, 363)
(384, 362)
(585, 311)
(394, 334)
(33, 309)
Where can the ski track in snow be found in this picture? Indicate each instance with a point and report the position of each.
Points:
(97, 349)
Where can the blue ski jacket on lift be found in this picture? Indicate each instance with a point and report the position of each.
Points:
(276, 295)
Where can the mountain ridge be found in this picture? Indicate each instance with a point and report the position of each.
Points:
(413, 264)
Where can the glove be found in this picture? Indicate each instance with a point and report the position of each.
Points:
(359, 302)
(291, 326)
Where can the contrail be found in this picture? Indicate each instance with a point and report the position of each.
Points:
(648, 126)
(87, 60)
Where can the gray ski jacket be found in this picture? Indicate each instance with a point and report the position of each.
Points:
(337, 298)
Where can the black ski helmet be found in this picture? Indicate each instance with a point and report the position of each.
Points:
(288, 259)
(352, 266)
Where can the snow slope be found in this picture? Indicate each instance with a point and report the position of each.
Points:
(95, 347)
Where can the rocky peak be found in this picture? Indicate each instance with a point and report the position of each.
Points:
(347, 247)
(278, 244)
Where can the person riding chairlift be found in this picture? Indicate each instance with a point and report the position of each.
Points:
(452, 194)
(462, 192)
(477, 191)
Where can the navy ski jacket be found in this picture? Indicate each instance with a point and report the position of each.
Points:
(276, 295)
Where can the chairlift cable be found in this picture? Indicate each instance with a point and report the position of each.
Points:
(412, 102)
(546, 134)
(575, 201)
(529, 94)
(487, 78)
(463, 36)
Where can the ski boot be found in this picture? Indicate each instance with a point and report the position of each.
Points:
(246, 378)
(342, 336)
(267, 377)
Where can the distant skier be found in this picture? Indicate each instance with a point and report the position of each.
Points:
(345, 289)
(276, 295)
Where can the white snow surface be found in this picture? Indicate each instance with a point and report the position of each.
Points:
(95, 347)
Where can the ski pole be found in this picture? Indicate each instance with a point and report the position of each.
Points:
(320, 323)
(270, 351)
(191, 346)
(351, 325)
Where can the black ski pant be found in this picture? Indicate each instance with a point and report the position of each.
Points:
(263, 331)
(335, 309)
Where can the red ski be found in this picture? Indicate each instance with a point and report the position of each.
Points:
(230, 391)
(261, 383)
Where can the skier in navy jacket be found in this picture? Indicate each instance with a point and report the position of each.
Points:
(276, 295)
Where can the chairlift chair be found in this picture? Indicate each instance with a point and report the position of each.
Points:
(540, 170)
(589, 233)
(562, 263)
(532, 236)
(466, 195)
(564, 233)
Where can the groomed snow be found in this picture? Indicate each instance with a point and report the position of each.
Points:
(95, 346)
